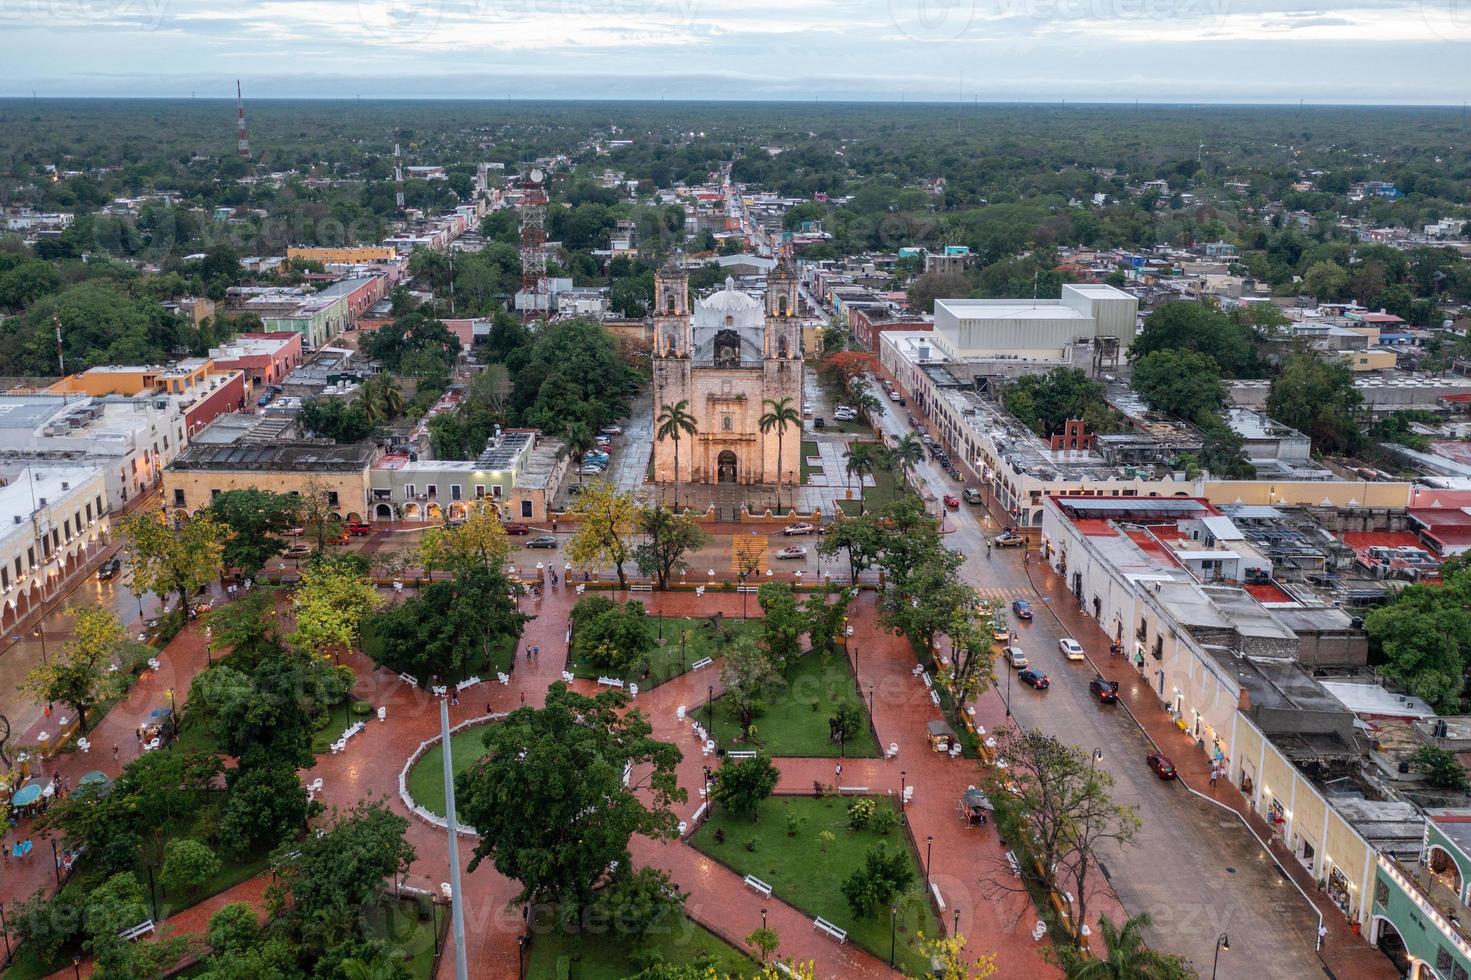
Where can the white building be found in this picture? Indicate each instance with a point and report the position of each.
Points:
(1035, 330)
(52, 521)
(130, 439)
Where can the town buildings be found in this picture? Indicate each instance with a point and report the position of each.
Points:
(518, 472)
(53, 520)
(206, 470)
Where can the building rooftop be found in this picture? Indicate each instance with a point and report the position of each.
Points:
(297, 457)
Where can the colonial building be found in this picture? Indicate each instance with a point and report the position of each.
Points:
(727, 360)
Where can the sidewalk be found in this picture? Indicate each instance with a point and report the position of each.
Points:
(1346, 954)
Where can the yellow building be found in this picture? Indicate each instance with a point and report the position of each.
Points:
(202, 472)
(129, 381)
(346, 255)
(1374, 359)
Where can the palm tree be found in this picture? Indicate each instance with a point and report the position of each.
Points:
(906, 454)
(780, 414)
(675, 422)
(377, 968)
(868, 404)
(1125, 956)
(579, 440)
(861, 463)
(382, 398)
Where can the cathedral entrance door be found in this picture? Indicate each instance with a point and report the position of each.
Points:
(725, 465)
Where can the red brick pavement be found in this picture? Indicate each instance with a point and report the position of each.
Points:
(1345, 953)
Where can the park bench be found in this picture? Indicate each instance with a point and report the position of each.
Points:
(1016, 869)
(410, 679)
(748, 588)
(754, 883)
(852, 790)
(611, 682)
(741, 754)
(640, 588)
(466, 683)
(939, 902)
(840, 935)
(141, 929)
(701, 663)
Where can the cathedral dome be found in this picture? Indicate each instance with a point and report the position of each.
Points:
(729, 301)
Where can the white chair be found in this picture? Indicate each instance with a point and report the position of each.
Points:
(567, 677)
(710, 744)
(679, 713)
(893, 749)
(702, 792)
(955, 751)
(908, 793)
(683, 827)
(705, 749)
(152, 744)
(382, 713)
(84, 745)
(153, 663)
(633, 690)
(316, 785)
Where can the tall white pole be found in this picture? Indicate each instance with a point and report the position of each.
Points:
(457, 909)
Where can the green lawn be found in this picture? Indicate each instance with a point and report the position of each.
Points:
(426, 779)
(197, 737)
(885, 488)
(808, 449)
(666, 662)
(795, 722)
(410, 939)
(808, 875)
(602, 956)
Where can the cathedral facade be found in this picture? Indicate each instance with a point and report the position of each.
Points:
(725, 359)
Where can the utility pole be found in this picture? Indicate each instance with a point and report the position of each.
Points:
(60, 354)
(457, 906)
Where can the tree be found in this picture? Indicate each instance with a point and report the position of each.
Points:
(1442, 769)
(330, 604)
(1317, 397)
(1181, 382)
(257, 519)
(1424, 635)
(779, 415)
(640, 904)
(247, 627)
(741, 786)
(266, 804)
(607, 520)
(937, 285)
(861, 461)
(611, 636)
(181, 561)
(449, 630)
(233, 928)
(187, 864)
(674, 423)
(747, 673)
(947, 961)
(318, 512)
(972, 667)
(764, 941)
(479, 542)
(338, 872)
(337, 419)
(861, 537)
(872, 887)
(1198, 327)
(577, 440)
(1046, 402)
(381, 398)
(668, 538)
(274, 718)
(904, 456)
(846, 722)
(782, 623)
(80, 678)
(548, 796)
(1064, 804)
(1325, 281)
(823, 621)
(1124, 956)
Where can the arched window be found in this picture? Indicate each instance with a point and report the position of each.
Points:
(727, 349)
(727, 423)
(729, 320)
(781, 305)
(781, 346)
(669, 343)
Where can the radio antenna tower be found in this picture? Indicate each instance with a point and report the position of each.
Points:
(243, 145)
(533, 244)
(398, 174)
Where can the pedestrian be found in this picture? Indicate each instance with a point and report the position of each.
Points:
(1215, 771)
(523, 699)
(139, 733)
(487, 707)
(114, 753)
(454, 698)
(1322, 935)
(536, 652)
(837, 772)
(528, 654)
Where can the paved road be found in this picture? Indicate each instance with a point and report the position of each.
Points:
(1195, 868)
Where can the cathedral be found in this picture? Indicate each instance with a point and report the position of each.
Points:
(726, 359)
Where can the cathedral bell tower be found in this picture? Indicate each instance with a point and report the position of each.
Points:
(781, 370)
(673, 349)
(783, 339)
(672, 334)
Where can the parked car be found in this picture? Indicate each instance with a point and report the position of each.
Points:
(846, 416)
(1105, 691)
(591, 469)
(952, 501)
(542, 541)
(1161, 764)
(1070, 648)
(517, 529)
(901, 402)
(296, 532)
(1008, 539)
(819, 423)
(1035, 678)
(971, 495)
(806, 408)
(792, 551)
(575, 489)
(613, 430)
(1015, 658)
(1022, 608)
(109, 569)
(802, 527)
(603, 441)
(264, 400)
(298, 551)
(893, 395)
(358, 529)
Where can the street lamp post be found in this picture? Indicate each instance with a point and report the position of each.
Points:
(1008, 694)
(763, 918)
(5, 931)
(870, 699)
(929, 851)
(901, 788)
(56, 862)
(956, 931)
(152, 893)
(893, 931)
(40, 631)
(710, 708)
(173, 714)
(1223, 941)
(77, 967)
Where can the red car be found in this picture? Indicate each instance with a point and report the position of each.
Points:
(1162, 766)
(952, 501)
(517, 529)
(358, 529)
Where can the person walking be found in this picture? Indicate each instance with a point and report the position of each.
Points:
(1215, 771)
(837, 772)
(114, 753)
(1322, 935)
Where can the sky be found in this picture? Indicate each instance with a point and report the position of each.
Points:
(1357, 51)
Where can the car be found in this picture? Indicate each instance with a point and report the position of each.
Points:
(902, 402)
(575, 489)
(542, 541)
(612, 430)
(1008, 539)
(358, 529)
(603, 442)
(264, 400)
(296, 532)
(807, 408)
(893, 395)
(1015, 658)
(819, 423)
(109, 569)
(1022, 608)
(1161, 764)
(802, 527)
(1106, 691)
(517, 529)
(1035, 678)
(842, 416)
(792, 551)
(341, 537)
(298, 551)
(596, 458)
(1071, 648)
(952, 501)
(971, 495)
(591, 469)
